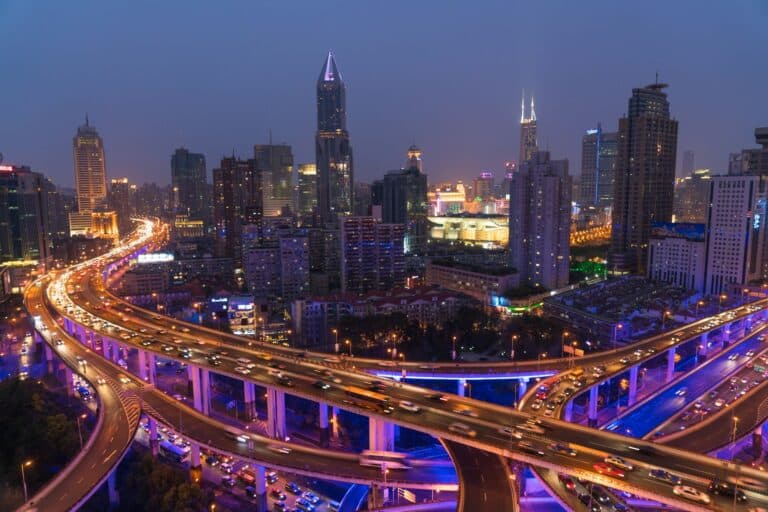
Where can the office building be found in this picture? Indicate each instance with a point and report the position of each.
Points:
(23, 215)
(751, 161)
(403, 200)
(275, 161)
(646, 155)
(307, 190)
(333, 152)
(121, 199)
(528, 140)
(540, 222)
(277, 270)
(372, 255)
(598, 167)
(692, 197)
(485, 283)
(483, 186)
(677, 254)
(90, 170)
(237, 203)
(324, 260)
(189, 180)
(735, 243)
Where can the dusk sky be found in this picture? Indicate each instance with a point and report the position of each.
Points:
(217, 76)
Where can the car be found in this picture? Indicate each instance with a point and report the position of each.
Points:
(409, 406)
(682, 391)
(689, 493)
(124, 379)
(624, 360)
(272, 478)
(601, 495)
(563, 449)
(750, 353)
(100, 381)
(311, 497)
(532, 428)
(530, 449)
(285, 381)
(146, 343)
(589, 503)
(461, 428)
(733, 356)
(509, 431)
(719, 402)
(227, 467)
(607, 469)
(322, 385)
(212, 460)
(279, 506)
(279, 448)
(250, 491)
(664, 476)
(306, 506)
(727, 489)
(293, 488)
(569, 392)
(568, 483)
(228, 481)
(276, 494)
(465, 411)
(242, 370)
(537, 404)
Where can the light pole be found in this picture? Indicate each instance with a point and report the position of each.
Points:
(722, 298)
(349, 346)
(468, 389)
(616, 329)
(664, 319)
(562, 342)
(79, 429)
(743, 291)
(24, 478)
(735, 420)
(514, 338)
(336, 339)
(698, 303)
(453, 348)
(574, 344)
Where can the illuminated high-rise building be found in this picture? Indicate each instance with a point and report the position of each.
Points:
(237, 202)
(333, 151)
(190, 185)
(275, 161)
(598, 167)
(23, 216)
(528, 140)
(645, 176)
(307, 190)
(90, 170)
(121, 199)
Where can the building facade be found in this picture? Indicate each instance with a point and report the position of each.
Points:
(23, 216)
(677, 254)
(90, 169)
(645, 176)
(237, 203)
(189, 180)
(540, 222)
(598, 167)
(372, 255)
(528, 141)
(306, 190)
(692, 197)
(481, 283)
(275, 161)
(736, 234)
(333, 152)
(277, 270)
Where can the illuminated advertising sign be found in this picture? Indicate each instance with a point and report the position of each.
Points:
(156, 257)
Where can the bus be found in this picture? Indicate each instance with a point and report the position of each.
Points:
(365, 394)
(384, 460)
(173, 452)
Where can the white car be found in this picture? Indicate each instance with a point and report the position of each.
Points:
(243, 370)
(613, 460)
(689, 493)
(244, 361)
(409, 406)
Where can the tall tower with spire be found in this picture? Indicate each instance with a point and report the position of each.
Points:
(333, 151)
(528, 143)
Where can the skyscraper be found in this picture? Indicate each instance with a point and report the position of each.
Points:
(598, 167)
(332, 148)
(692, 197)
(90, 170)
(23, 216)
(122, 199)
(307, 190)
(540, 221)
(403, 199)
(275, 161)
(528, 141)
(645, 176)
(190, 185)
(372, 255)
(237, 203)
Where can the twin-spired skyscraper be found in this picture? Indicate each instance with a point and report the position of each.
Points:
(333, 152)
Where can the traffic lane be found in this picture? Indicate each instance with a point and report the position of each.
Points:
(303, 460)
(484, 482)
(723, 397)
(646, 418)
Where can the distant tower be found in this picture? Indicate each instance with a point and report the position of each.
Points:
(333, 152)
(528, 144)
(90, 171)
(414, 158)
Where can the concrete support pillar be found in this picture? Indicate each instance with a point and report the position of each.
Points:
(197, 391)
(671, 353)
(276, 427)
(249, 397)
(322, 420)
(704, 345)
(114, 496)
(154, 444)
(592, 409)
(568, 412)
(48, 357)
(194, 455)
(152, 364)
(143, 365)
(335, 422)
(195, 468)
(522, 388)
(205, 382)
(116, 350)
(376, 497)
(105, 347)
(461, 385)
(633, 385)
(381, 435)
(69, 381)
(260, 486)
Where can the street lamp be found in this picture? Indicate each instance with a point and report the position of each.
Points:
(574, 344)
(562, 342)
(664, 319)
(514, 338)
(615, 334)
(349, 346)
(336, 340)
(743, 291)
(698, 303)
(453, 348)
(468, 389)
(733, 435)
(79, 430)
(722, 298)
(23, 465)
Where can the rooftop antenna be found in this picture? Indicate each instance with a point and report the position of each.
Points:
(657, 78)
(86, 119)
(270, 136)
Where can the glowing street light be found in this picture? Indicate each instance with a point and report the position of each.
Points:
(23, 465)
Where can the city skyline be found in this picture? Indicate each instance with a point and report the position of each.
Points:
(399, 92)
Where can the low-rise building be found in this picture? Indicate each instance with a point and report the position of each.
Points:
(677, 254)
(481, 283)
